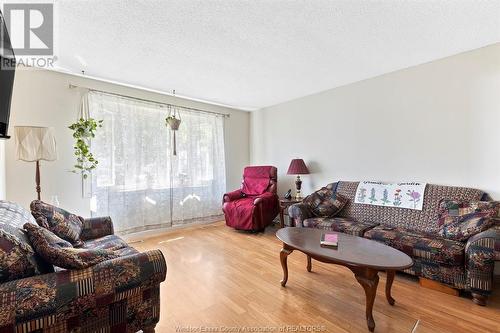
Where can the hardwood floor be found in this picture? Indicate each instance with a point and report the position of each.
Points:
(220, 278)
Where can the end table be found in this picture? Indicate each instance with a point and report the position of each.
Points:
(284, 204)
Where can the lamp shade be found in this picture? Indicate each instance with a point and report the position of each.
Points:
(35, 143)
(297, 167)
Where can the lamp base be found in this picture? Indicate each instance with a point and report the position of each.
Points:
(298, 186)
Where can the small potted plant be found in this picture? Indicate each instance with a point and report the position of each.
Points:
(173, 122)
(83, 132)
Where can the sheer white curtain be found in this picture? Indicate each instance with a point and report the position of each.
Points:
(138, 182)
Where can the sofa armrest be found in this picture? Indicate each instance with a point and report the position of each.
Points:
(481, 251)
(489, 238)
(497, 240)
(71, 293)
(234, 195)
(96, 227)
(298, 213)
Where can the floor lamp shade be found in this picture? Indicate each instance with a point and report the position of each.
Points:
(35, 143)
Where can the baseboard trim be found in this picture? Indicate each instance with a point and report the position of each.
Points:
(140, 236)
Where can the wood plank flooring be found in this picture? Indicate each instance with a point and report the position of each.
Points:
(219, 278)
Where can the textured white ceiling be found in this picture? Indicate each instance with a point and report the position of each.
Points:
(256, 53)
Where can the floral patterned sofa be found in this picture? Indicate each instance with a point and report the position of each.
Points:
(467, 264)
(117, 295)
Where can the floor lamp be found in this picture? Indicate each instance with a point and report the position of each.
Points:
(34, 144)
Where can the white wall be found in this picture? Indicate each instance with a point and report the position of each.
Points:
(437, 122)
(43, 98)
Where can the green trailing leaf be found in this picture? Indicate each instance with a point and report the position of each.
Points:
(83, 132)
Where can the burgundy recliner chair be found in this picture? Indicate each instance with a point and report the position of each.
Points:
(255, 205)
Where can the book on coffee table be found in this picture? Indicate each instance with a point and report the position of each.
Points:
(330, 239)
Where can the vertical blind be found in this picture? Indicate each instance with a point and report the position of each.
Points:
(138, 181)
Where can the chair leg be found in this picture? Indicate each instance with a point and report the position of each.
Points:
(479, 299)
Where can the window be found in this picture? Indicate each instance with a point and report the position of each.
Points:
(138, 182)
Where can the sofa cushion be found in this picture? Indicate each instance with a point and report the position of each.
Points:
(322, 204)
(419, 245)
(17, 257)
(110, 242)
(461, 220)
(61, 253)
(64, 224)
(345, 225)
(126, 251)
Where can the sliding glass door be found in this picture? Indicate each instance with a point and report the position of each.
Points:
(138, 182)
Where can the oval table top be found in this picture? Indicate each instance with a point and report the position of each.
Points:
(351, 250)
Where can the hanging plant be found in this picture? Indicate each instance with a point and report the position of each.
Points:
(84, 131)
(173, 121)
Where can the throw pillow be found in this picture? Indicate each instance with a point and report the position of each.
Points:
(18, 259)
(322, 204)
(461, 220)
(61, 253)
(64, 224)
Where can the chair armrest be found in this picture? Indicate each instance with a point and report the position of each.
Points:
(298, 213)
(71, 293)
(266, 196)
(96, 227)
(231, 196)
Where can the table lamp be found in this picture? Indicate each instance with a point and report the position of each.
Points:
(298, 167)
(34, 144)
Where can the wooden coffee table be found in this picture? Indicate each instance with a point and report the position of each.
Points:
(364, 257)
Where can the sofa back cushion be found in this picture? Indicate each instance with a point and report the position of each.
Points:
(64, 224)
(322, 204)
(17, 257)
(425, 220)
(461, 220)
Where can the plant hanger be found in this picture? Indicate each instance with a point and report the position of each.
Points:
(173, 121)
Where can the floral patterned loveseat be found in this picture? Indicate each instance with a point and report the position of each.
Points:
(465, 264)
(117, 295)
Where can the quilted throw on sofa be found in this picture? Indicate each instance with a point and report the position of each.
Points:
(401, 195)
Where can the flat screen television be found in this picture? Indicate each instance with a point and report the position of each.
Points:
(7, 73)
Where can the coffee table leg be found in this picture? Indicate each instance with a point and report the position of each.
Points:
(368, 279)
(309, 263)
(388, 286)
(285, 252)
